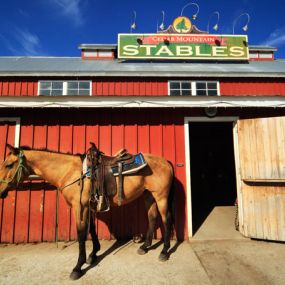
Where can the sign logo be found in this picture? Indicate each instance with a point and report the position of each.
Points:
(183, 46)
(182, 25)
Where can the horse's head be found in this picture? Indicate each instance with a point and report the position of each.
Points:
(12, 170)
(93, 155)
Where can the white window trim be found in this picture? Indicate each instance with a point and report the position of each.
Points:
(193, 86)
(64, 87)
(17, 121)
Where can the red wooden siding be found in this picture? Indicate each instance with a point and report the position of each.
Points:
(252, 87)
(130, 87)
(11, 87)
(33, 209)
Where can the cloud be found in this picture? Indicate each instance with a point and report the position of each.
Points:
(71, 9)
(276, 38)
(30, 43)
(23, 42)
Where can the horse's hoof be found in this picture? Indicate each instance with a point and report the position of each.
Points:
(74, 275)
(163, 257)
(142, 251)
(91, 259)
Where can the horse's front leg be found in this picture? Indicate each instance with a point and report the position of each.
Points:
(96, 245)
(82, 225)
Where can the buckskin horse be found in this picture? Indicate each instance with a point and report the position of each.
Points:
(64, 171)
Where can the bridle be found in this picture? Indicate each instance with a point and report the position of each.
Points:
(21, 168)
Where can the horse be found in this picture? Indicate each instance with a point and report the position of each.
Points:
(64, 171)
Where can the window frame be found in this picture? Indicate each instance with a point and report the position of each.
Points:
(194, 87)
(64, 87)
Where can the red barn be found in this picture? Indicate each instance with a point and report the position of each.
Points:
(218, 116)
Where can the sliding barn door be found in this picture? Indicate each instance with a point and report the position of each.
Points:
(262, 177)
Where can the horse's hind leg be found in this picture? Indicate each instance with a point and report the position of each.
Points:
(96, 245)
(151, 208)
(167, 223)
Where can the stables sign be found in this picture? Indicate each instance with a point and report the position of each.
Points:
(182, 46)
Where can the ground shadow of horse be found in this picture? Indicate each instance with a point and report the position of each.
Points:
(120, 244)
(115, 246)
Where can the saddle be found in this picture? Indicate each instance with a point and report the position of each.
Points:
(103, 170)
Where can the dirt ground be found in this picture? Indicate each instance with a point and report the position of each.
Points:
(204, 262)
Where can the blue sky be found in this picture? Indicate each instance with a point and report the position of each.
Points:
(57, 27)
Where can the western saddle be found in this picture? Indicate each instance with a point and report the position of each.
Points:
(103, 171)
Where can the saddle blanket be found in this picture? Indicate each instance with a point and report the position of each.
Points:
(129, 168)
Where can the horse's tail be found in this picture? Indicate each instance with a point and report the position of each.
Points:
(171, 201)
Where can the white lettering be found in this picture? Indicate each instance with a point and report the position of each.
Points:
(184, 50)
(148, 48)
(237, 51)
(130, 50)
(165, 50)
(219, 51)
(198, 52)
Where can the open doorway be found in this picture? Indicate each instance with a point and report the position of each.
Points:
(212, 167)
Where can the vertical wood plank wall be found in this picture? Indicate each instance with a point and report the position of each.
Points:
(28, 215)
(262, 163)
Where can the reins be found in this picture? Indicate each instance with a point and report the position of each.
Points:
(74, 181)
(80, 180)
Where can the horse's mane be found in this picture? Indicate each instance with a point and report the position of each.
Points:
(24, 147)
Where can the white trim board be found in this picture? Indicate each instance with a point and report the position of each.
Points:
(140, 101)
(17, 121)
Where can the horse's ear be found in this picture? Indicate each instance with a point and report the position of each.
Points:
(93, 145)
(12, 149)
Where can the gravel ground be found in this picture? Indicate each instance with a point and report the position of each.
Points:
(196, 262)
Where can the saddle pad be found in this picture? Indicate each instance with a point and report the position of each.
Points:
(129, 168)
(85, 168)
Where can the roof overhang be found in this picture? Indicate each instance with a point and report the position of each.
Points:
(140, 101)
(155, 73)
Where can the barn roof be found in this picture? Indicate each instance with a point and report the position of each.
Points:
(76, 66)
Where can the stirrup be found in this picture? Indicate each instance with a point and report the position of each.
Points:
(101, 206)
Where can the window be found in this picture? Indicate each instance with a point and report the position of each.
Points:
(193, 88)
(78, 88)
(180, 88)
(51, 88)
(58, 88)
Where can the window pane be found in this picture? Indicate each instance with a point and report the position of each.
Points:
(56, 92)
(175, 92)
(72, 85)
(84, 92)
(186, 85)
(201, 85)
(185, 92)
(72, 92)
(45, 92)
(57, 85)
(212, 85)
(84, 85)
(45, 85)
(174, 85)
(201, 92)
(212, 92)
